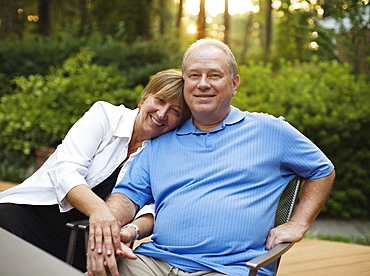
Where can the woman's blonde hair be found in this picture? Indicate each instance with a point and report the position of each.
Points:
(169, 85)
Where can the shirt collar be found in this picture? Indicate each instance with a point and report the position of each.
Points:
(125, 125)
(235, 116)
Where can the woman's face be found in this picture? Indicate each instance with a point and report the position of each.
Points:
(157, 116)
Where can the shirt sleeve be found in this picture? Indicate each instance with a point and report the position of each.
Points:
(301, 156)
(147, 209)
(136, 182)
(74, 155)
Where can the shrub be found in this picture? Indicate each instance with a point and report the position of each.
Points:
(33, 56)
(43, 108)
(331, 107)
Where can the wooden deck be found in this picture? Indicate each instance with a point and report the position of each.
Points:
(325, 258)
(6, 185)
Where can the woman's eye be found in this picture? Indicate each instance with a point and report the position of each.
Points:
(176, 111)
(161, 101)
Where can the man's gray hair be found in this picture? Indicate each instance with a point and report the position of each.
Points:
(209, 42)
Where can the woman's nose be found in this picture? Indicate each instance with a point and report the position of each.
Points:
(162, 112)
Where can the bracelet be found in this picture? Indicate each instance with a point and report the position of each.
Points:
(135, 227)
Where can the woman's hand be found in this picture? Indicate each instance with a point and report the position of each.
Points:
(104, 230)
(98, 262)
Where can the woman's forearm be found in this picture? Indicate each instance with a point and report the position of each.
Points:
(85, 200)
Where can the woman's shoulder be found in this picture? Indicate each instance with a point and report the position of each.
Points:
(108, 108)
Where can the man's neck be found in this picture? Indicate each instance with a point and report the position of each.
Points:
(207, 122)
(206, 126)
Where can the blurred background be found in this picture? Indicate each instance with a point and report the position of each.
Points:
(306, 60)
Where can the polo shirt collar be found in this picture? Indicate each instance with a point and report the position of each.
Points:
(235, 116)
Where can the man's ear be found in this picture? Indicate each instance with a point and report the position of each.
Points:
(236, 82)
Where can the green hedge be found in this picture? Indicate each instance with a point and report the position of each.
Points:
(136, 61)
(41, 109)
(330, 106)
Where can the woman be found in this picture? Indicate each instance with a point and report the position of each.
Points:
(73, 183)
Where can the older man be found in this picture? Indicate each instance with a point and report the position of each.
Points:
(217, 179)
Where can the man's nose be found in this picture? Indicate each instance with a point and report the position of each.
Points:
(204, 83)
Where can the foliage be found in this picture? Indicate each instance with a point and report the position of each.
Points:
(33, 55)
(14, 165)
(330, 106)
(140, 59)
(136, 61)
(43, 108)
(353, 43)
(364, 239)
(293, 33)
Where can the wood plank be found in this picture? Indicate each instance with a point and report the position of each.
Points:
(316, 257)
(6, 185)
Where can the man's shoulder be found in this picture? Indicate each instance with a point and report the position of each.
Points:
(265, 118)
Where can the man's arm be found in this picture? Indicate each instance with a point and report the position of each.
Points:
(124, 210)
(314, 194)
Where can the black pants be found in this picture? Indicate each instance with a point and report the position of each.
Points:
(45, 227)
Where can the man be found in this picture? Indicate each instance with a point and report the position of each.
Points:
(216, 180)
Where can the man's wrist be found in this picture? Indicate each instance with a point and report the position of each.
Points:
(135, 228)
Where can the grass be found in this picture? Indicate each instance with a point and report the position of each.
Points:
(363, 240)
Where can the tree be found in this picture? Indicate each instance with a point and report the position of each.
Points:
(44, 22)
(268, 30)
(202, 20)
(178, 18)
(226, 22)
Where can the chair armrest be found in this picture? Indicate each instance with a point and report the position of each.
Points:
(79, 224)
(269, 256)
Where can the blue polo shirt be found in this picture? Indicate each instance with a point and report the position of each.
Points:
(216, 193)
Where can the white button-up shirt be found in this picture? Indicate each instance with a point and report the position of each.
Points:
(92, 149)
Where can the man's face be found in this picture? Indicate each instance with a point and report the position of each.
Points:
(208, 85)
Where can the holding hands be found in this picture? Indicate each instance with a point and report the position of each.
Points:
(103, 249)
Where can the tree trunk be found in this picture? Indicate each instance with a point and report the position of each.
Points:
(268, 30)
(162, 16)
(12, 21)
(247, 37)
(44, 17)
(202, 20)
(226, 22)
(84, 17)
(178, 19)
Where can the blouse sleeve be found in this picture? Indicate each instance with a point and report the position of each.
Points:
(75, 154)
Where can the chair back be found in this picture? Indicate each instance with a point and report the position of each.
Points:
(287, 201)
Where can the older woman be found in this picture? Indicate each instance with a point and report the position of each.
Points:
(93, 157)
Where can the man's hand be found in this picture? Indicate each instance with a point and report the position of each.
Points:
(287, 232)
(96, 263)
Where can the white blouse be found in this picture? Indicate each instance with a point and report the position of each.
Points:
(92, 149)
